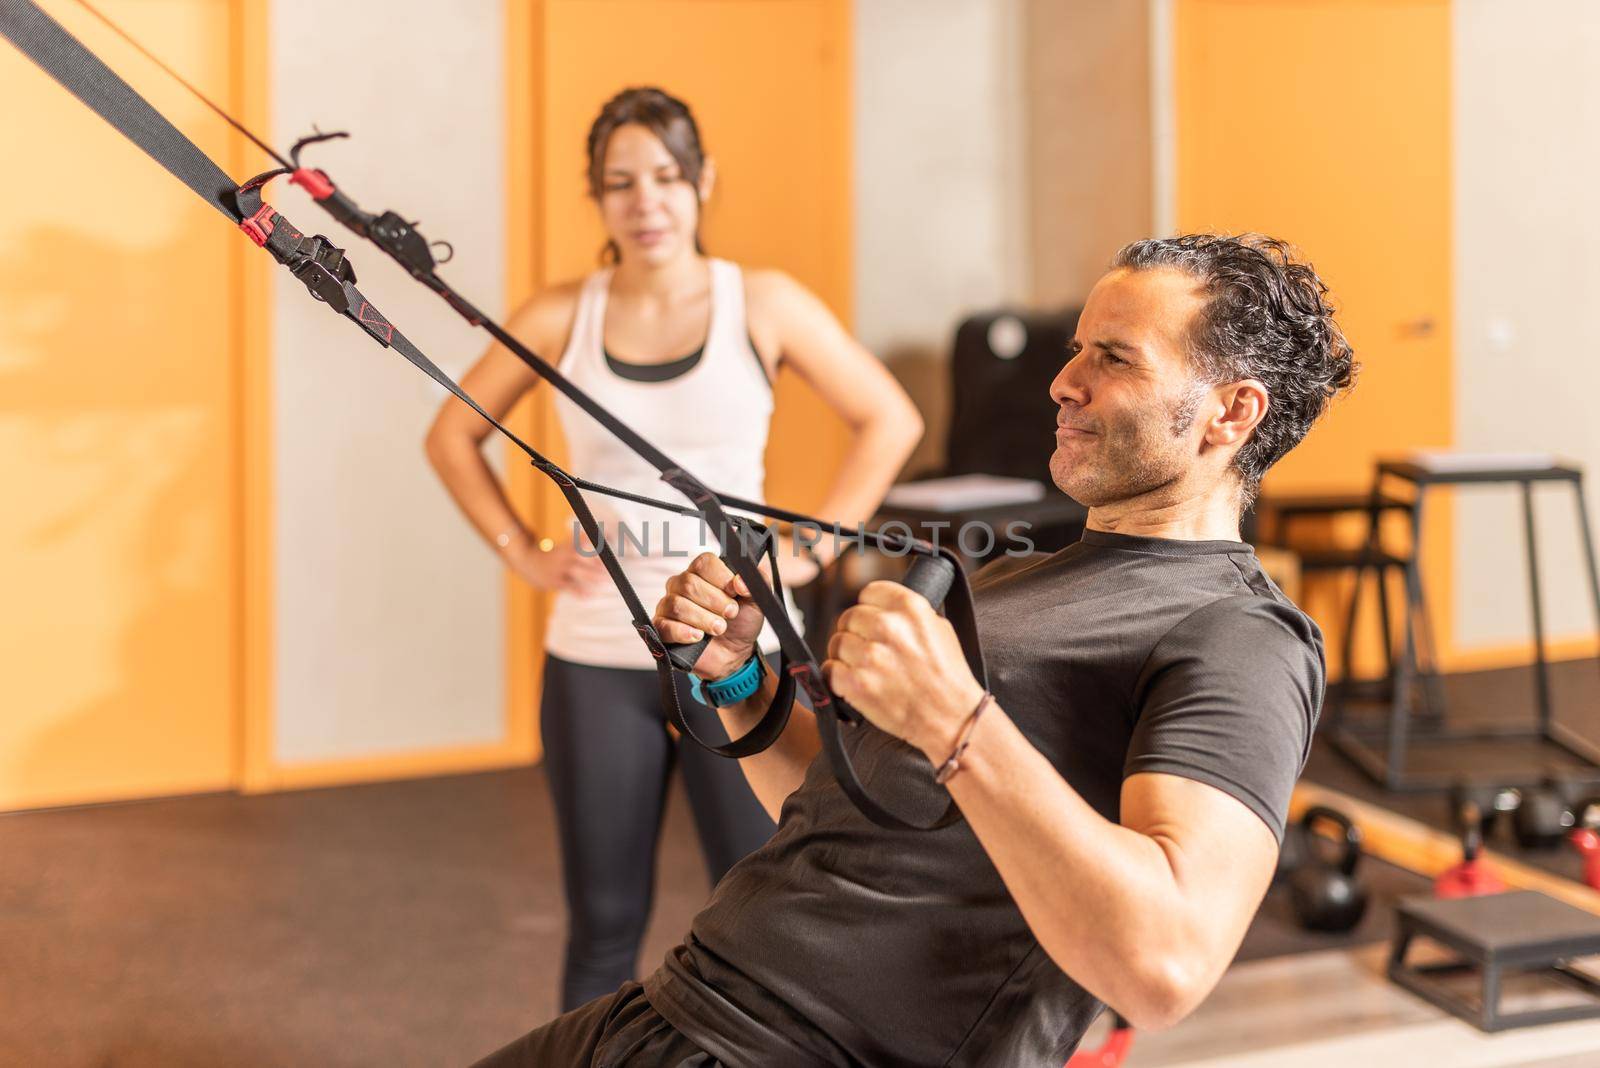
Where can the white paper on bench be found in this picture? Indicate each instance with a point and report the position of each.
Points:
(964, 491)
(1445, 460)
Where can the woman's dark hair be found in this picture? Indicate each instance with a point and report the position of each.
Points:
(1268, 318)
(663, 115)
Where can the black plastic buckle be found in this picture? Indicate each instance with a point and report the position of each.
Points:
(325, 272)
(400, 239)
(688, 485)
(652, 640)
(817, 691)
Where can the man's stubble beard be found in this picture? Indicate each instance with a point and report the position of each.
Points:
(1132, 458)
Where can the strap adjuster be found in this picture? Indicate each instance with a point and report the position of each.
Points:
(259, 225)
(324, 271)
(652, 640)
(400, 240)
(810, 681)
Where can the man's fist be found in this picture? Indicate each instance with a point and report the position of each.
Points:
(709, 598)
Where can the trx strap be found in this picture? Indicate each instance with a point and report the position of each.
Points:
(329, 277)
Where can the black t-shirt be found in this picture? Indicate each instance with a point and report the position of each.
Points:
(842, 942)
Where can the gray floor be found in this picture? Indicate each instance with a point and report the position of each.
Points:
(419, 923)
(412, 923)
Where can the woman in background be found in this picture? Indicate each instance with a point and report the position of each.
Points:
(684, 348)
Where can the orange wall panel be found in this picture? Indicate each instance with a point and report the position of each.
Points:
(119, 435)
(1327, 123)
(769, 85)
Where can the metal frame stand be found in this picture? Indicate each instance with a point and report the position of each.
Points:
(1380, 749)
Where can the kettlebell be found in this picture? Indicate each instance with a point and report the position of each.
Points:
(1326, 895)
(1291, 855)
(1544, 816)
(1489, 806)
(1472, 876)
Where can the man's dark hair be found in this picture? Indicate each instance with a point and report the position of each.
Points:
(1268, 318)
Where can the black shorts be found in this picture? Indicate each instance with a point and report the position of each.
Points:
(608, 1032)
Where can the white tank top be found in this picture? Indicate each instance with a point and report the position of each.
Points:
(712, 419)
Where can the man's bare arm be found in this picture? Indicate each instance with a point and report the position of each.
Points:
(1146, 914)
(776, 772)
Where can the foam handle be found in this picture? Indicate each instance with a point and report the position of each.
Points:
(683, 655)
(931, 576)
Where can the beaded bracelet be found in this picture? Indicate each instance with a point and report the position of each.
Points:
(953, 765)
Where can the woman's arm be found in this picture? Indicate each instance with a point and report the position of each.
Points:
(885, 426)
(454, 448)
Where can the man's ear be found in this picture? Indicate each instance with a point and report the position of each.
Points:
(1241, 407)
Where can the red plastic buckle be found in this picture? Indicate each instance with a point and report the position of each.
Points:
(313, 181)
(259, 225)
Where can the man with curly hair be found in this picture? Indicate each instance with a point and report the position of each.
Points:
(1124, 786)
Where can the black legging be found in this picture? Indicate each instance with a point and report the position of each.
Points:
(607, 754)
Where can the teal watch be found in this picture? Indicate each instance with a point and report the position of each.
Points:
(739, 686)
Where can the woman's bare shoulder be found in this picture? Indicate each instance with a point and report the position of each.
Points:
(543, 321)
(770, 286)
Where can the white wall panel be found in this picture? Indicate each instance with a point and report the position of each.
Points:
(389, 611)
(940, 193)
(1527, 280)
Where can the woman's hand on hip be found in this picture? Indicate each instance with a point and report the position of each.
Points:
(561, 568)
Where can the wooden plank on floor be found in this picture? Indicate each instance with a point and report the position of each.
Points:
(1273, 1004)
(1444, 1042)
(1337, 1008)
(1415, 846)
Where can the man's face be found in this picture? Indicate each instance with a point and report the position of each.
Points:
(1128, 422)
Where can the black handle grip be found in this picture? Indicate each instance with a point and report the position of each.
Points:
(931, 576)
(684, 655)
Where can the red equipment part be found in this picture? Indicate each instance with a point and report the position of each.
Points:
(1470, 878)
(1110, 1053)
(1588, 842)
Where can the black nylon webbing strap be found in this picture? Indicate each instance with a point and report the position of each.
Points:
(801, 668)
(329, 277)
(81, 72)
(959, 609)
